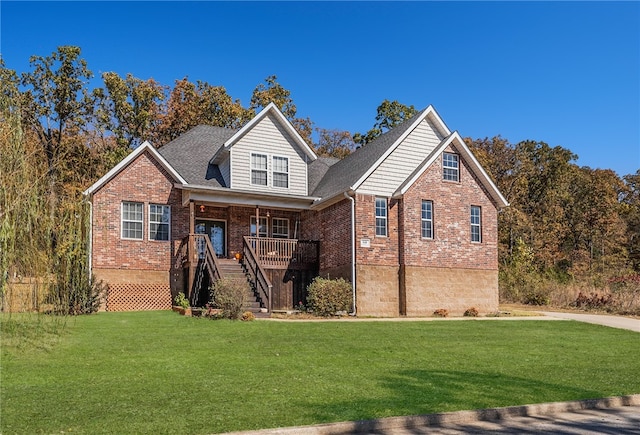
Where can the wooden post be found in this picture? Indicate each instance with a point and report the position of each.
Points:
(191, 251)
(257, 232)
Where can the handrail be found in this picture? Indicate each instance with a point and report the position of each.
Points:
(261, 282)
(209, 256)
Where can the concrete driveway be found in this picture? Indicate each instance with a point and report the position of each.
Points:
(599, 319)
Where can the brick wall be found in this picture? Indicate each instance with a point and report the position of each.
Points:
(383, 250)
(332, 227)
(451, 245)
(141, 262)
(404, 273)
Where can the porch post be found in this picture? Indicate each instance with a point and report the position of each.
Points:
(191, 251)
(257, 232)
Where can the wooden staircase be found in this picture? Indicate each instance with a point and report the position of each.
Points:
(230, 268)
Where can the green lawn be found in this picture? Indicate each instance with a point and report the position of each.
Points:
(158, 372)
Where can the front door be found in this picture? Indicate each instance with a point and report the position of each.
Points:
(216, 230)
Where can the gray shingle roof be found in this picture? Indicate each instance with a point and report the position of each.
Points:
(189, 154)
(342, 175)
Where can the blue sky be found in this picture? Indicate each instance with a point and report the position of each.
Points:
(566, 73)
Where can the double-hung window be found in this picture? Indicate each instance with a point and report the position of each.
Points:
(264, 229)
(476, 224)
(159, 222)
(280, 228)
(280, 171)
(450, 167)
(381, 217)
(427, 219)
(259, 169)
(131, 220)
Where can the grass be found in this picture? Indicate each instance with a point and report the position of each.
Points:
(158, 372)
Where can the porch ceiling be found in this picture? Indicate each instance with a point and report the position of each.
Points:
(225, 196)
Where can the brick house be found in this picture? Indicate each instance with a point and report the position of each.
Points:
(410, 219)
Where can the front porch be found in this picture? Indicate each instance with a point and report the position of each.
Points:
(265, 238)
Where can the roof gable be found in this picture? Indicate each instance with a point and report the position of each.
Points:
(146, 146)
(455, 140)
(350, 172)
(271, 108)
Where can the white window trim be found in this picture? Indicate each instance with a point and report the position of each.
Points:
(160, 223)
(122, 220)
(273, 227)
(457, 168)
(423, 220)
(273, 171)
(478, 225)
(251, 169)
(385, 217)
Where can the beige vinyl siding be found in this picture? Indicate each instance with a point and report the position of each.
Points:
(270, 138)
(395, 169)
(225, 167)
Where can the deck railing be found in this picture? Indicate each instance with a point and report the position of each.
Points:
(257, 275)
(284, 253)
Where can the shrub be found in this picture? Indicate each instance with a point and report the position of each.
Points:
(228, 295)
(593, 301)
(441, 312)
(471, 312)
(248, 316)
(181, 301)
(326, 297)
(536, 297)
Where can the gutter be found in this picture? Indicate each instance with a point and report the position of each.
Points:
(353, 250)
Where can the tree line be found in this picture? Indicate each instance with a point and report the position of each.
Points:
(566, 223)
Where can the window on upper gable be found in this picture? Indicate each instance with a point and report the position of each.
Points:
(427, 219)
(159, 222)
(280, 171)
(381, 217)
(450, 167)
(476, 224)
(259, 169)
(132, 220)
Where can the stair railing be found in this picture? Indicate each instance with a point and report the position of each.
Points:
(256, 273)
(203, 256)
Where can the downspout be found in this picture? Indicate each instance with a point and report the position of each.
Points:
(353, 250)
(90, 247)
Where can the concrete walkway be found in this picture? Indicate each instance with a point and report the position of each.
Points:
(612, 415)
(599, 319)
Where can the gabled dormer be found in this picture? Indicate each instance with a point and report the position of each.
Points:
(266, 155)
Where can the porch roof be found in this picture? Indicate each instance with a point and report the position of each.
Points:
(226, 196)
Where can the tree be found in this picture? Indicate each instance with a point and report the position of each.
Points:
(192, 104)
(56, 100)
(389, 115)
(631, 212)
(130, 108)
(273, 92)
(334, 143)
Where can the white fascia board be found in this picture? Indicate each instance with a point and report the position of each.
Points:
(256, 119)
(322, 203)
(429, 111)
(224, 195)
(146, 146)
